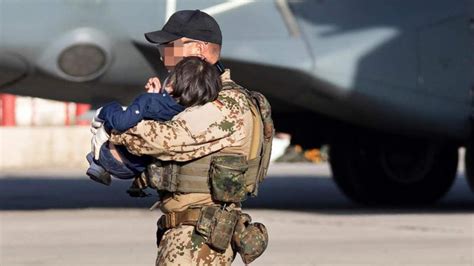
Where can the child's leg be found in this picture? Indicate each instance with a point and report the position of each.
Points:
(96, 172)
(115, 153)
(111, 159)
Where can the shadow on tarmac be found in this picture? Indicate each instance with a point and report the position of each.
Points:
(298, 193)
(321, 195)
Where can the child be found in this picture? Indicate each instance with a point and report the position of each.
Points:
(192, 82)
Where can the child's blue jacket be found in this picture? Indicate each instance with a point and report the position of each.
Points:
(153, 106)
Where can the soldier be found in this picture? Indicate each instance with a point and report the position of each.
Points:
(209, 157)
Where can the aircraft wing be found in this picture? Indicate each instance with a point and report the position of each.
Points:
(388, 84)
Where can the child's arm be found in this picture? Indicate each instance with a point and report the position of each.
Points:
(121, 120)
(161, 107)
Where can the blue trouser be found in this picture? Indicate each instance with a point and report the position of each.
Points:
(131, 166)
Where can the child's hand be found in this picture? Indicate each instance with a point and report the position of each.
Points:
(153, 85)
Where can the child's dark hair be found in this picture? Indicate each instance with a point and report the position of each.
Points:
(195, 82)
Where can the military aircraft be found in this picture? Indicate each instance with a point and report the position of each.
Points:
(388, 84)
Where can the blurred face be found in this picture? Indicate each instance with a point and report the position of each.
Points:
(173, 52)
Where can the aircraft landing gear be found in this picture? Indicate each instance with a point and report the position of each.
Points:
(393, 170)
(469, 164)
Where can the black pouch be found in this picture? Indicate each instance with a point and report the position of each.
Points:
(227, 175)
(160, 231)
(163, 176)
(139, 184)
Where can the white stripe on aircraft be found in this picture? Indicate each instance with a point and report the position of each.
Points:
(213, 10)
(170, 8)
(220, 8)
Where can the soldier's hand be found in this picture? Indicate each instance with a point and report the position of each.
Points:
(153, 85)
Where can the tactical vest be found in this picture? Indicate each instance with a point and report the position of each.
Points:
(227, 177)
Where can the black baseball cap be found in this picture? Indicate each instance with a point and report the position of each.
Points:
(193, 24)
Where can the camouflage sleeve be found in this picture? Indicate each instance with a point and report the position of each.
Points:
(195, 132)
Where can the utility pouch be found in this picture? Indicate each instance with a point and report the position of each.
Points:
(250, 239)
(227, 177)
(223, 230)
(206, 221)
(253, 242)
(163, 176)
(217, 225)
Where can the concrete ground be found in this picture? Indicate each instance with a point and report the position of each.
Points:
(60, 217)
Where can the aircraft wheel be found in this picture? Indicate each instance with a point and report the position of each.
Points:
(393, 170)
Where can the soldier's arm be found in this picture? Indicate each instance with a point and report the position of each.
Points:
(193, 133)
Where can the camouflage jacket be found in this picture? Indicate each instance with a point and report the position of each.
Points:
(225, 123)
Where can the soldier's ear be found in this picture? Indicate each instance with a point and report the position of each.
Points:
(202, 47)
(199, 49)
(196, 50)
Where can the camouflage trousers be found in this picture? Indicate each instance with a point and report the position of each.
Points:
(181, 246)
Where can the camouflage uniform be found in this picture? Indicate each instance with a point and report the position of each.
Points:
(180, 246)
(223, 125)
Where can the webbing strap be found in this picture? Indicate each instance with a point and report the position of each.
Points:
(193, 184)
(252, 171)
(188, 217)
(257, 128)
(257, 132)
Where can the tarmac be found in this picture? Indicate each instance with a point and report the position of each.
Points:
(60, 217)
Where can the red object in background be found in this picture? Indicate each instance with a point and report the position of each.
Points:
(67, 120)
(7, 117)
(82, 108)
